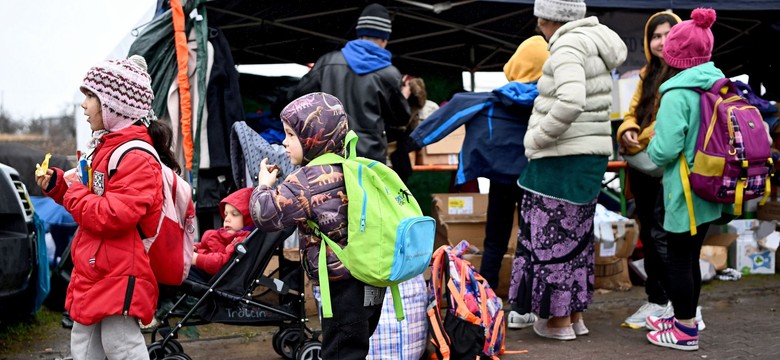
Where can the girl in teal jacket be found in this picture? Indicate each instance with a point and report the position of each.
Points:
(687, 53)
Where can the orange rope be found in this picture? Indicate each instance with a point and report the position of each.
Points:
(182, 54)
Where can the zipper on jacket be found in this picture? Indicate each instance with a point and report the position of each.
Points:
(93, 259)
(365, 199)
(128, 295)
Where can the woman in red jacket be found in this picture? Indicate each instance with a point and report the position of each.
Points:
(112, 285)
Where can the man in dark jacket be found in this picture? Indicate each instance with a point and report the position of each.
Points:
(363, 78)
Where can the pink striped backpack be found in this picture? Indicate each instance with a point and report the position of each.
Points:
(171, 245)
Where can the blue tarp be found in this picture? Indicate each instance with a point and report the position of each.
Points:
(43, 282)
(51, 212)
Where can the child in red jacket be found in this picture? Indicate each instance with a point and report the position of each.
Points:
(216, 246)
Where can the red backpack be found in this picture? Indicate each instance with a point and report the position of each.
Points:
(171, 245)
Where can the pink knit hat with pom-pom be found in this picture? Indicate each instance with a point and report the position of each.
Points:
(689, 43)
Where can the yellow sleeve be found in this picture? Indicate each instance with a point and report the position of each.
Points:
(629, 121)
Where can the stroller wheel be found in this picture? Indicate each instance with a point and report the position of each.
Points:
(310, 350)
(177, 356)
(157, 352)
(286, 341)
(275, 342)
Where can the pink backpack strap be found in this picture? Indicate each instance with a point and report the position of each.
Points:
(719, 84)
(120, 151)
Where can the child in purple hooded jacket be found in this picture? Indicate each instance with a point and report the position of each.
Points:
(315, 124)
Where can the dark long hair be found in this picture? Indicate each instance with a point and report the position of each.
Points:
(162, 139)
(654, 75)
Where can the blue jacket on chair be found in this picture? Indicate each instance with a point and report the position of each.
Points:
(495, 121)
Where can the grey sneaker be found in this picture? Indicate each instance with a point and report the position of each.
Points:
(637, 319)
(516, 320)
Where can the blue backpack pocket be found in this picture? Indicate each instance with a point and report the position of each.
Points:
(413, 247)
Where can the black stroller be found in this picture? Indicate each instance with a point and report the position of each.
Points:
(230, 297)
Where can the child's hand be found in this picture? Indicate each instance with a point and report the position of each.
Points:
(267, 174)
(43, 180)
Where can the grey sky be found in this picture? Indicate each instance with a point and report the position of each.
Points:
(48, 45)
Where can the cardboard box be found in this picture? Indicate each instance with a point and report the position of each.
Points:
(716, 255)
(749, 258)
(716, 248)
(743, 226)
(770, 210)
(444, 151)
(463, 216)
(622, 92)
(504, 276)
(615, 240)
(613, 275)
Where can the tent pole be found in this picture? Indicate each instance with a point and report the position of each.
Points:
(471, 70)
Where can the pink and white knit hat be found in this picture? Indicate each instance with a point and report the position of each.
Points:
(124, 89)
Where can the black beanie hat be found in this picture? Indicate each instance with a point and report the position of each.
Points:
(374, 22)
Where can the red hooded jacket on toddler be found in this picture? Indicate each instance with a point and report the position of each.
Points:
(216, 247)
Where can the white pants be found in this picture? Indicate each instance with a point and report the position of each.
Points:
(115, 337)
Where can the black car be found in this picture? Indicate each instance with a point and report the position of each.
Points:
(19, 266)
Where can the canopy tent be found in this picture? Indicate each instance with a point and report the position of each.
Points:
(468, 35)
(431, 38)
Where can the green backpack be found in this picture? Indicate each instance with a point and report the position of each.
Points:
(389, 239)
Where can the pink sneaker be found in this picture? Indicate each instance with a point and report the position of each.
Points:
(678, 337)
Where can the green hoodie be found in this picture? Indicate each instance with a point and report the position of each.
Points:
(676, 130)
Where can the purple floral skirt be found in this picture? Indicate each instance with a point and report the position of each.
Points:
(553, 270)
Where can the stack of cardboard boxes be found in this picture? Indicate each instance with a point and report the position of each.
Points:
(444, 151)
(462, 216)
(754, 250)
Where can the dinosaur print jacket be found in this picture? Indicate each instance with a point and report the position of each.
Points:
(310, 192)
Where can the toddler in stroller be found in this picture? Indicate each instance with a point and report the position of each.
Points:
(229, 297)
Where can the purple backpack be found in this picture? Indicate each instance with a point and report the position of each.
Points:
(733, 160)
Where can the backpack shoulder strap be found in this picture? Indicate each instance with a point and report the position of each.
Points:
(718, 87)
(327, 159)
(686, 184)
(440, 267)
(121, 150)
(350, 143)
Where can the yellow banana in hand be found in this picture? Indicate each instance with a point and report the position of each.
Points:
(40, 170)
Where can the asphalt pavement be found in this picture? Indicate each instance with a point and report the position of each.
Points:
(741, 317)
